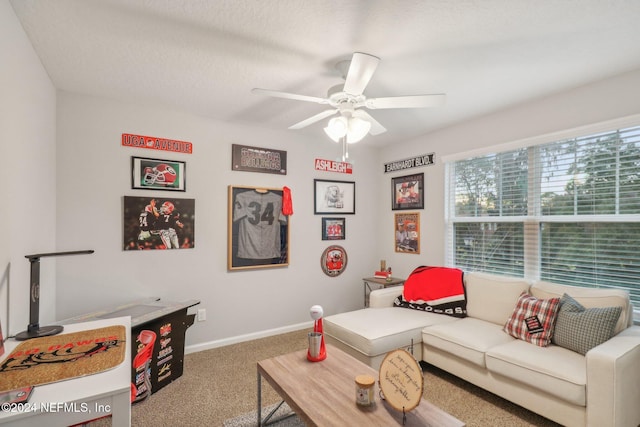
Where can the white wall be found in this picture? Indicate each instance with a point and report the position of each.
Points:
(94, 175)
(600, 102)
(27, 173)
(82, 208)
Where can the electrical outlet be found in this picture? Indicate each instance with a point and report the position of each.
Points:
(202, 315)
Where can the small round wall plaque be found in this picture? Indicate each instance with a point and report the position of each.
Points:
(401, 381)
(333, 260)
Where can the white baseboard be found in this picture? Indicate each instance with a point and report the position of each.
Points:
(247, 337)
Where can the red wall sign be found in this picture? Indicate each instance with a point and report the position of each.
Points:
(332, 166)
(155, 143)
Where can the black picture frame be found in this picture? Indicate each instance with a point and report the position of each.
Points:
(149, 221)
(248, 208)
(158, 174)
(334, 197)
(333, 228)
(407, 192)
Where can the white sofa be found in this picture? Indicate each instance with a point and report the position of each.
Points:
(601, 388)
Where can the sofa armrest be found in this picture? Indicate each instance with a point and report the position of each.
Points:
(613, 380)
(384, 297)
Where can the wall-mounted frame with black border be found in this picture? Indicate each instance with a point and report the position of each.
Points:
(333, 228)
(256, 159)
(158, 174)
(258, 231)
(407, 192)
(334, 197)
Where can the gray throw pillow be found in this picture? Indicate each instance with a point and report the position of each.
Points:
(580, 329)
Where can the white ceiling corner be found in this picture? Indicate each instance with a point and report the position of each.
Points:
(204, 56)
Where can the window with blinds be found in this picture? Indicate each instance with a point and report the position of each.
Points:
(566, 211)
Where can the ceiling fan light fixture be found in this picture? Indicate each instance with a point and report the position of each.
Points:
(358, 129)
(337, 128)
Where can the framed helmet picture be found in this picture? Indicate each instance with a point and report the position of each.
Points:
(333, 260)
(158, 174)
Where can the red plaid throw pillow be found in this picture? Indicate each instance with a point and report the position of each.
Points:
(533, 319)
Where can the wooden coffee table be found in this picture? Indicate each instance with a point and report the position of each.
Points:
(323, 393)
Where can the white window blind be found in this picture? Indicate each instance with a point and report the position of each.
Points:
(566, 211)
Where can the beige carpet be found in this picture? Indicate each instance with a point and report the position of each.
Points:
(220, 384)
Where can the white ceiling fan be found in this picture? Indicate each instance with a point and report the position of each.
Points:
(349, 99)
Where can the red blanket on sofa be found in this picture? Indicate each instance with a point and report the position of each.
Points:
(435, 289)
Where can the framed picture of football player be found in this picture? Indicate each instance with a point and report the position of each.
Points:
(158, 223)
(333, 228)
(334, 197)
(407, 232)
(158, 174)
(407, 192)
(258, 227)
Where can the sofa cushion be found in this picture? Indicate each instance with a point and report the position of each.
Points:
(437, 290)
(553, 369)
(580, 329)
(491, 297)
(589, 298)
(468, 338)
(533, 319)
(374, 331)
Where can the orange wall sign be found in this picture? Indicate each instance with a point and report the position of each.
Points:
(332, 166)
(155, 143)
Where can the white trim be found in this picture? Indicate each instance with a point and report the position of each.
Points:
(247, 337)
(609, 125)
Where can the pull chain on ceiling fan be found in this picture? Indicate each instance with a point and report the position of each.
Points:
(353, 123)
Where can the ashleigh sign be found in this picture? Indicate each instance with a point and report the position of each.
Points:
(413, 162)
(154, 143)
(333, 166)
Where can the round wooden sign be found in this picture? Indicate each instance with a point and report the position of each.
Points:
(401, 380)
(333, 260)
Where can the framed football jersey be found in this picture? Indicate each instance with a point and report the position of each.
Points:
(258, 228)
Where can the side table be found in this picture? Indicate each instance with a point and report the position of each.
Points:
(382, 283)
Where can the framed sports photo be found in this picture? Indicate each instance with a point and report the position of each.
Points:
(152, 223)
(258, 229)
(158, 174)
(334, 197)
(407, 192)
(407, 232)
(333, 228)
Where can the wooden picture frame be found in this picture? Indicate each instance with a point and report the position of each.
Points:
(333, 260)
(407, 232)
(334, 197)
(333, 228)
(258, 231)
(158, 174)
(407, 192)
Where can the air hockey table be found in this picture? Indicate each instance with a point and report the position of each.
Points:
(158, 330)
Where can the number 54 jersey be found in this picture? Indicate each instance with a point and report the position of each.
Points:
(259, 216)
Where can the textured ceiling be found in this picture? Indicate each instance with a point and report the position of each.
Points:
(205, 56)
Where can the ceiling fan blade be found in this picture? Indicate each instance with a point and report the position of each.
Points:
(360, 72)
(286, 95)
(313, 119)
(411, 101)
(376, 127)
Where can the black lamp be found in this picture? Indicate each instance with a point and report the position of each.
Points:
(34, 330)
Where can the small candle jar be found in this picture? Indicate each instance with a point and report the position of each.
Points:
(364, 390)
